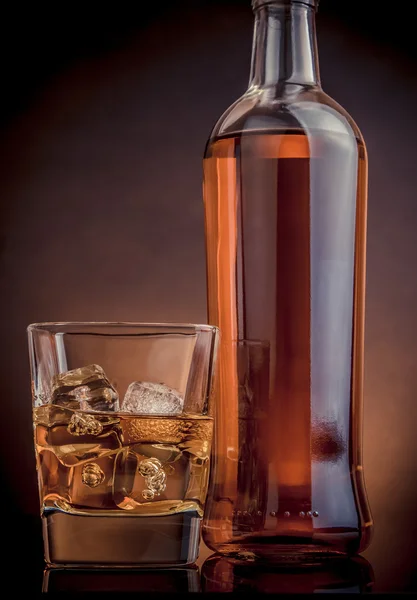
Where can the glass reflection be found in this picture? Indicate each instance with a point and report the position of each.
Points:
(121, 580)
(222, 574)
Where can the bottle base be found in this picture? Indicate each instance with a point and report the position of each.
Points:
(303, 555)
(311, 547)
(289, 550)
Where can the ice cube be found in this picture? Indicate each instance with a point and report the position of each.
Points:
(86, 388)
(148, 494)
(157, 483)
(90, 483)
(92, 475)
(84, 424)
(147, 398)
(152, 470)
(149, 467)
(140, 477)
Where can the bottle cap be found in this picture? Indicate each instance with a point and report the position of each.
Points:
(258, 3)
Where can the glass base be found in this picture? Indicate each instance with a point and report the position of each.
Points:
(72, 540)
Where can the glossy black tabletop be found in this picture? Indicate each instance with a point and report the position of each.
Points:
(218, 574)
(211, 574)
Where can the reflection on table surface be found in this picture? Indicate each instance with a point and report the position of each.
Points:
(219, 574)
(121, 580)
(342, 575)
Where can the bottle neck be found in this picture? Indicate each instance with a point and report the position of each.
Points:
(284, 46)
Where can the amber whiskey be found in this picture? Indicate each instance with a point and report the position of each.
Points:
(140, 474)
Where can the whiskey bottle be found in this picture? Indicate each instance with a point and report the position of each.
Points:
(285, 194)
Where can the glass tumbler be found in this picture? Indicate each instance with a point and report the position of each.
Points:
(123, 426)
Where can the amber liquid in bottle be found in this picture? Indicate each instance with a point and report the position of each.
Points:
(285, 237)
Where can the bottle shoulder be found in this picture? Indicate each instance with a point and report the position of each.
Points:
(295, 108)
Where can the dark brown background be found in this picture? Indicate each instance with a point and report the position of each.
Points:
(105, 117)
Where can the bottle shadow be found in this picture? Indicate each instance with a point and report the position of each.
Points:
(56, 579)
(341, 575)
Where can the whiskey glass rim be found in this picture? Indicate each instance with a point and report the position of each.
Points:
(120, 327)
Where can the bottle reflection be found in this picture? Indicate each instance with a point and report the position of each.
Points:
(343, 575)
(121, 580)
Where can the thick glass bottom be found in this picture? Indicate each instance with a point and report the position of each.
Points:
(73, 540)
